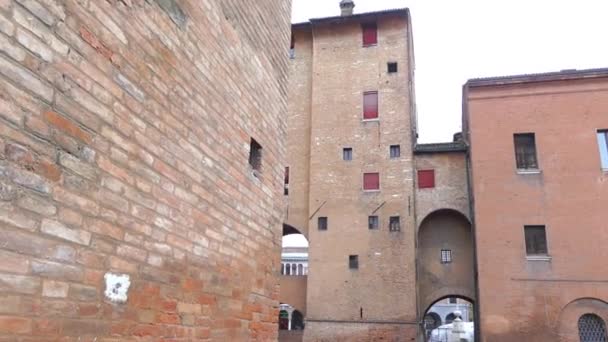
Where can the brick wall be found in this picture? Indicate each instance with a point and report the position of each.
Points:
(124, 140)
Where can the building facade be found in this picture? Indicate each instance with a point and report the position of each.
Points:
(141, 168)
(538, 170)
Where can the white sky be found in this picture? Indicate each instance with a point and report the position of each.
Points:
(295, 240)
(457, 40)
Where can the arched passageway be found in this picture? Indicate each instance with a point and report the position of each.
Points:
(439, 317)
(583, 320)
(445, 258)
(293, 280)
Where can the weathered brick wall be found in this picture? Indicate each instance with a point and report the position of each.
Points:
(124, 140)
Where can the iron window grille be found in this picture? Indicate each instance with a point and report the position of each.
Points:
(322, 223)
(446, 256)
(372, 222)
(394, 225)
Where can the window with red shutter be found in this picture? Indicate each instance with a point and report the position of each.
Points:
(426, 179)
(370, 34)
(371, 181)
(370, 105)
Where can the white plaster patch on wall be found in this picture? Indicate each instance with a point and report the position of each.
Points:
(117, 287)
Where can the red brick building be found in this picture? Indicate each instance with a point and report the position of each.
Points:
(539, 177)
(141, 169)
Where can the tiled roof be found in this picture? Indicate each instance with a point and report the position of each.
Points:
(542, 77)
(440, 147)
(338, 18)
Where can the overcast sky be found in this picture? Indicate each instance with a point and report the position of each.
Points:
(458, 40)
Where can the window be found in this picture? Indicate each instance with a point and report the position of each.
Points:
(426, 179)
(391, 67)
(525, 151)
(371, 181)
(286, 182)
(453, 300)
(446, 256)
(292, 48)
(370, 34)
(353, 262)
(255, 156)
(536, 240)
(370, 105)
(322, 223)
(372, 222)
(347, 153)
(602, 141)
(395, 151)
(591, 328)
(394, 225)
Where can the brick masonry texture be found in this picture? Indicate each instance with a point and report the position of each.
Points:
(124, 139)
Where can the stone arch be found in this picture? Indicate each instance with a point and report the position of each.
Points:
(449, 230)
(568, 323)
(289, 229)
(432, 320)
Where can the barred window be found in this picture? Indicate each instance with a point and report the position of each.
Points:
(394, 225)
(372, 222)
(525, 151)
(446, 256)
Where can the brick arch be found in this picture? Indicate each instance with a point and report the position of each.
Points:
(289, 230)
(453, 211)
(567, 324)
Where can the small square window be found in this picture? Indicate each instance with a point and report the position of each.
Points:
(371, 181)
(395, 151)
(446, 256)
(602, 141)
(370, 34)
(255, 156)
(525, 151)
(426, 179)
(347, 153)
(536, 240)
(373, 222)
(353, 262)
(394, 225)
(453, 300)
(322, 223)
(391, 67)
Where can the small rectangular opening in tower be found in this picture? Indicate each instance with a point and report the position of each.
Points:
(255, 156)
(353, 262)
(392, 67)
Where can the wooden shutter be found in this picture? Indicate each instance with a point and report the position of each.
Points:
(370, 34)
(370, 105)
(426, 179)
(371, 181)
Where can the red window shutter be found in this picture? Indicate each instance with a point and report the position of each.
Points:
(371, 181)
(426, 179)
(370, 105)
(370, 34)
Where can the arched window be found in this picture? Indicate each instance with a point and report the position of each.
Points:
(300, 269)
(293, 269)
(449, 318)
(591, 328)
(287, 269)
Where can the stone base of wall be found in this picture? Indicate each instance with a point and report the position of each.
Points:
(291, 336)
(358, 332)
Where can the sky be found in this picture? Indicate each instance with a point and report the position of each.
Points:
(458, 40)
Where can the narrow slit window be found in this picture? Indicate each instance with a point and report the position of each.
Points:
(292, 48)
(394, 224)
(347, 153)
(602, 141)
(370, 105)
(353, 262)
(286, 182)
(536, 240)
(371, 181)
(446, 256)
(373, 222)
(255, 156)
(525, 151)
(395, 151)
(322, 223)
(391, 67)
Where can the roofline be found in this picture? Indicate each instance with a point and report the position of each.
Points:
(446, 147)
(535, 78)
(367, 15)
